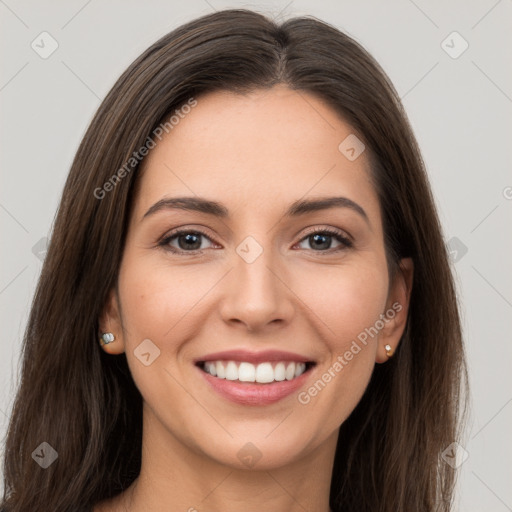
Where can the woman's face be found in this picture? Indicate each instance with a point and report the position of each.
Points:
(249, 281)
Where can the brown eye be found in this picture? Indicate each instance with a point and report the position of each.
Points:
(185, 241)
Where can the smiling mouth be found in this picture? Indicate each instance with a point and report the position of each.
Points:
(262, 373)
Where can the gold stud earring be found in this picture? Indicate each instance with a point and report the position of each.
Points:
(389, 350)
(106, 338)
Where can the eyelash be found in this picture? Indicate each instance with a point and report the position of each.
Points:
(338, 235)
(346, 243)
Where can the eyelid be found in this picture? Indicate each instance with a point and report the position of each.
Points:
(188, 228)
(329, 229)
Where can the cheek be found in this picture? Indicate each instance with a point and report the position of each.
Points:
(158, 299)
(160, 304)
(349, 299)
(349, 302)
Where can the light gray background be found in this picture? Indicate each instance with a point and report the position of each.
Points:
(460, 110)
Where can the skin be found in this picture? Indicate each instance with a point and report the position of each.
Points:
(256, 154)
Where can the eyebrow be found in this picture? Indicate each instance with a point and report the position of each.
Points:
(297, 208)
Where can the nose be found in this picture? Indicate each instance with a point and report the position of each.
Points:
(256, 294)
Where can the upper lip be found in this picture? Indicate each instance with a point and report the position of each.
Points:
(254, 357)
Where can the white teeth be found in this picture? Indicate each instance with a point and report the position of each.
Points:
(290, 371)
(211, 368)
(231, 371)
(219, 367)
(262, 373)
(279, 372)
(246, 372)
(299, 369)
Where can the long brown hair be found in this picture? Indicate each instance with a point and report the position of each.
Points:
(84, 402)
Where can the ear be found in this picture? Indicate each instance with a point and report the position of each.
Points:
(397, 307)
(110, 321)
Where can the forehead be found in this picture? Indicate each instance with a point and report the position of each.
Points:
(268, 147)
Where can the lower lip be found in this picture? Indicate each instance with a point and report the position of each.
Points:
(250, 393)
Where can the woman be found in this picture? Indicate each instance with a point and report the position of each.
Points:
(246, 302)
